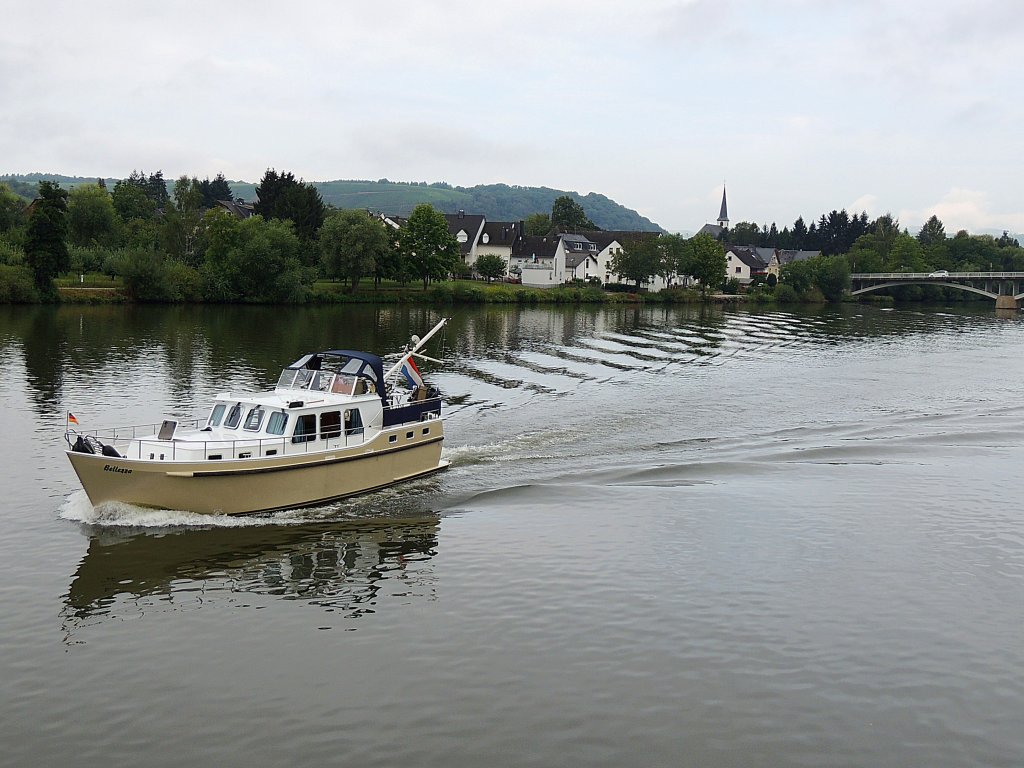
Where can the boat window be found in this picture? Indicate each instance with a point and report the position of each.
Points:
(343, 385)
(305, 428)
(302, 378)
(254, 420)
(324, 381)
(216, 415)
(278, 421)
(286, 378)
(234, 416)
(330, 424)
(353, 422)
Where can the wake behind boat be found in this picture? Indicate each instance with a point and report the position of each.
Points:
(335, 425)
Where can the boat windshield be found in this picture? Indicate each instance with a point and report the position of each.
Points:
(291, 378)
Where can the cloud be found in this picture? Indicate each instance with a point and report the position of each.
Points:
(964, 209)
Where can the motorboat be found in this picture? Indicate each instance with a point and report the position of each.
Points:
(335, 425)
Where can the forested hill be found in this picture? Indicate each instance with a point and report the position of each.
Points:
(498, 202)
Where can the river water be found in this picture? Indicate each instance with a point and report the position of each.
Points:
(668, 537)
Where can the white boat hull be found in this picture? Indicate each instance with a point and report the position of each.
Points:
(240, 486)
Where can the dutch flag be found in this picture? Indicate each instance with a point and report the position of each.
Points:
(412, 373)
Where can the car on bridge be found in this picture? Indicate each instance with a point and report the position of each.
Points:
(939, 273)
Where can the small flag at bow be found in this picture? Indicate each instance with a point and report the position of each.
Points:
(71, 418)
(412, 373)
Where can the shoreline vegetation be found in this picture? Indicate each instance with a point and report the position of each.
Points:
(456, 292)
(192, 242)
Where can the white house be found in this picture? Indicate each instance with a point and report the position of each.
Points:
(497, 238)
(466, 229)
(743, 263)
(533, 259)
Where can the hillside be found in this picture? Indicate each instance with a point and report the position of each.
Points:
(499, 202)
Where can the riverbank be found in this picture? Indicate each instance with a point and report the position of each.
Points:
(451, 292)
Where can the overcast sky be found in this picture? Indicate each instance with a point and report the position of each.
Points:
(800, 106)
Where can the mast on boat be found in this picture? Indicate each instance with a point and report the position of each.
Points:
(413, 351)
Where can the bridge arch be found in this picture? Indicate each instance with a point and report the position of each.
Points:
(942, 283)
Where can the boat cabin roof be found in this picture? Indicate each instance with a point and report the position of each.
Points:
(345, 361)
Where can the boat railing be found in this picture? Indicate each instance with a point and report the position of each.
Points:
(115, 435)
(129, 445)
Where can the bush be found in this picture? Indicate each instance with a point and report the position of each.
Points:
(16, 285)
(11, 253)
(786, 294)
(88, 258)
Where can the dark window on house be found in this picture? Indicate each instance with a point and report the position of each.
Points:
(305, 428)
(330, 424)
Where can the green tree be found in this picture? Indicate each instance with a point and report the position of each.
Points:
(215, 190)
(864, 256)
(46, 250)
(831, 275)
(351, 245)
(744, 233)
(281, 196)
(932, 233)
(429, 249)
(92, 219)
(131, 202)
(566, 213)
(906, 255)
(490, 266)
(676, 256)
(12, 209)
(706, 261)
(181, 226)
(798, 276)
(638, 260)
(537, 224)
(252, 260)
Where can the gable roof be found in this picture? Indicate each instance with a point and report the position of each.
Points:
(604, 237)
(748, 256)
(500, 232)
(470, 223)
(237, 208)
(711, 229)
(533, 246)
(789, 256)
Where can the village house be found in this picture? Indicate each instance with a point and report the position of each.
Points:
(781, 258)
(497, 238)
(533, 260)
(541, 262)
(466, 229)
(743, 263)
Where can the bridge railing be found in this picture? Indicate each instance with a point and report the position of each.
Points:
(932, 276)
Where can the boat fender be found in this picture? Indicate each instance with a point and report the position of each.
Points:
(109, 450)
(82, 446)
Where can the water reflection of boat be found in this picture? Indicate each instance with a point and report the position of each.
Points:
(334, 426)
(338, 564)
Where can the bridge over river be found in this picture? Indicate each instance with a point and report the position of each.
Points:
(1005, 288)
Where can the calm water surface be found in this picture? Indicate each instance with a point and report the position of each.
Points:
(668, 537)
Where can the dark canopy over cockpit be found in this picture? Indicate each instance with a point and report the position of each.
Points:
(346, 361)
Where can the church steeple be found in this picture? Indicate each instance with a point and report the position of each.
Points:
(723, 215)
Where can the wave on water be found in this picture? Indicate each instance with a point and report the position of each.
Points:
(115, 514)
